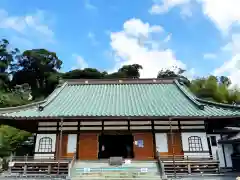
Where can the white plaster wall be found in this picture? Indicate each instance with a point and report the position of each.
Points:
(39, 136)
(44, 156)
(72, 143)
(185, 144)
(228, 148)
(217, 149)
(161, 142)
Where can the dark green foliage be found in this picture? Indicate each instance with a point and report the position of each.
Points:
(11, 139)
(175, 72)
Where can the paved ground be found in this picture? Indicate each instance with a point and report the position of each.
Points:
(207, 178)
(188, 178)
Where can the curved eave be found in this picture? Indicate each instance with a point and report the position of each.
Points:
(20, 108)
(227, 106)
(201, 102)
(47, 118)
(35, 104)
(189, 95)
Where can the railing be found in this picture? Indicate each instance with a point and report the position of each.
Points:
(71, 164)
(182, 164)
(39, 158)
(160, 166)
(39, 166)
(192, 157)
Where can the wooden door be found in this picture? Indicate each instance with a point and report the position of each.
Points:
(88, 146)
(61, 147)
(145, 152)
(175, 144)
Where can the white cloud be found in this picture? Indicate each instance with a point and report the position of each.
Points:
(160, 7)
(190, 74)
(27, 25)
(88, 5)
(168, 38)
(80, 62)
(224, 13)
(136, 28)
(26, 31)
(209, 56)
(231, 67)
(129, 47)
(92, 38)
(227, 47)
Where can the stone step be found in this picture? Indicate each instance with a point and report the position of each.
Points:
(117, 176)
(106, 164)
(146, 170)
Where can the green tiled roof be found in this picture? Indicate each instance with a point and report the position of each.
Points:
(122, 99)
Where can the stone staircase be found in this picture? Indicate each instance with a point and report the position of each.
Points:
(101, 170)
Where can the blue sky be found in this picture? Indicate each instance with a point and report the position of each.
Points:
(106, 34)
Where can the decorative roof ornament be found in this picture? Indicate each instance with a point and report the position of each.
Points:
(40, 108)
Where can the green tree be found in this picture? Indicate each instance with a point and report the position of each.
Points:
(215, 89)
(126, 71)
(11, 139)
(39, 68)
(6, 58)
(225, 80)
(130, 71)
(175, 72)
(87, 73)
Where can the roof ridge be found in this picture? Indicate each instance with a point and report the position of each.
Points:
(34, 104)
(190, 96)
(22, 107)
(53, 95)
(119, 81)
(199, 101)
(218, 104)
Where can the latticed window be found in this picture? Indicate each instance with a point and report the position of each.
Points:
(45, 145)
(195, 143)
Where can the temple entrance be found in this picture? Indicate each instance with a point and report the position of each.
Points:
(115, 146)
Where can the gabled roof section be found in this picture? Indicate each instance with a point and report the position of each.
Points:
(155, 98)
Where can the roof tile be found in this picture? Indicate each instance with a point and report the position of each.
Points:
(155, 100)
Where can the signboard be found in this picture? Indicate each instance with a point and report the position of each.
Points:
(139, 143)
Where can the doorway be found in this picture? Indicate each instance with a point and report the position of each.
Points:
(115, 146)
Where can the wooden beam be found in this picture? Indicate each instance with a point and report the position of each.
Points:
(78, 141)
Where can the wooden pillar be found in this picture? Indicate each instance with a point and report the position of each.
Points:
(154, 140)
(78, 140)
(128, 125)
(57, 142)
(34, 141)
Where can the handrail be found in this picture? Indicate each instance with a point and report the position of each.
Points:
(71, 164)
(189, 157)
(160, 166)
(193, 162)
(45, 165)
(39, 158)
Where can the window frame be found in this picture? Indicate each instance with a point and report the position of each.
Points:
(195, 144)
(45, 145)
